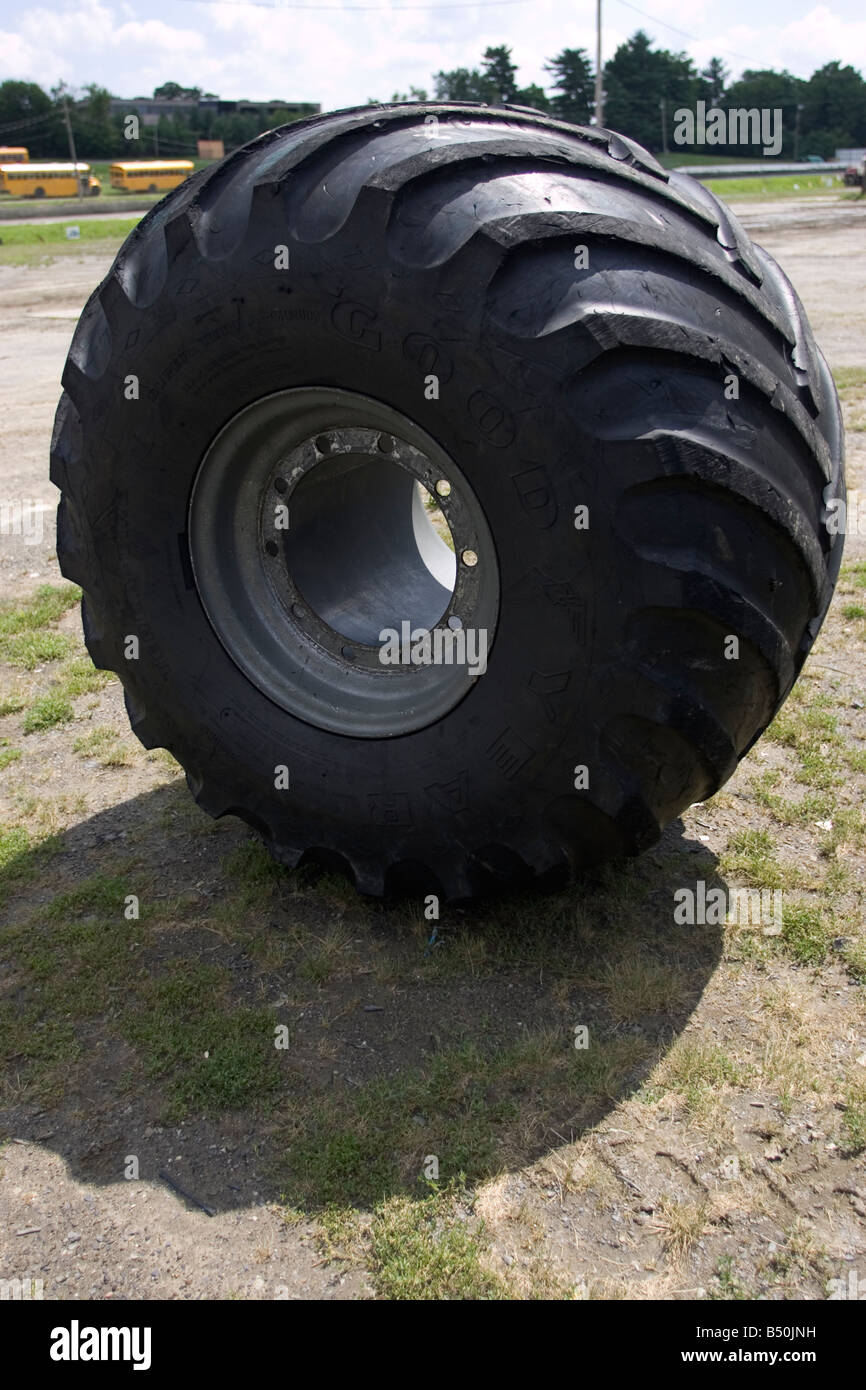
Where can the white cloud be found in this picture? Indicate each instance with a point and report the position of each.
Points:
(161, 38)
(824, 36)
(341, 58)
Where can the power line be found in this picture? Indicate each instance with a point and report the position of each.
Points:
(392, 9)
(682, 32)
(31, 121)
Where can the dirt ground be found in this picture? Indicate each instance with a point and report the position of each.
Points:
(713, 1147)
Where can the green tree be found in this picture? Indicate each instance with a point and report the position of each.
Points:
(27, 102)
(712, 82)
(767, 90)
(573, 84)
(22, 100)
(93, 124)
(461, 84)
(637, 79)
(500, 76)
(533, 96)
(415, 94)
(834, 109)
(170, 90)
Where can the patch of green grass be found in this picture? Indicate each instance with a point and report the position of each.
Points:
(751, 856)
(371, 1144)
(421, 1250)
(856, 573)
(805, 934)
(730, 1286)
(674, 158)
(45, 605)
(39, 255)
(31, 649)
(43, 1048)
(105, 745)
(211, 1056)
(22, 858)
(847, 827)
(636, 985)
(80, 955)
(697, 1071)
(28, 639)
(79, 676)
(807, 715)
(808, 725)
(847, 824)
(854, 1117)
(775, 186)
(46, 712)
(38, 243)
(101, 894)
(848, 378)
(251, 865)
(325, 953)
(73, 960)
(7, 754)
(12, 704)
(552, 932)
(853, 610)
(171, 764)
(254, 876)
(854, 955)
(43, 233)
(14, 844)
(856, 759)
(94, 742)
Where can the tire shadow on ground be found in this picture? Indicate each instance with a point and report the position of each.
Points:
(176, 1006)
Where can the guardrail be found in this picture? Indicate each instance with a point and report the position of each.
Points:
(748, 171)
(71, 207)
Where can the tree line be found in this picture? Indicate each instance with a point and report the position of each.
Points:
(644, 86)
(35, 118)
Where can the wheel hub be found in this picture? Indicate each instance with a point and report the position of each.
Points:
(312, 549)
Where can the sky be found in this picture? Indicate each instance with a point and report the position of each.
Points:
(341, 52)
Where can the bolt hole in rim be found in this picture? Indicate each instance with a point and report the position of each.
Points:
(310, 534)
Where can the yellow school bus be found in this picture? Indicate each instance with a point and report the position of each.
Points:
(150, 176)
(14, 154)
(48, 180)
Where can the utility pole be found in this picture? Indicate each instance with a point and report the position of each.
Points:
(156, 136)
(797, 132)
(599, 93)
(71, 139)
(664, 111)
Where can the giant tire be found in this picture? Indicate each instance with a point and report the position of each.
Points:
(442, 241)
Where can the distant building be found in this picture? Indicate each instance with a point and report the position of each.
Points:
(850, 156)
(172, 106)
(211, 149)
